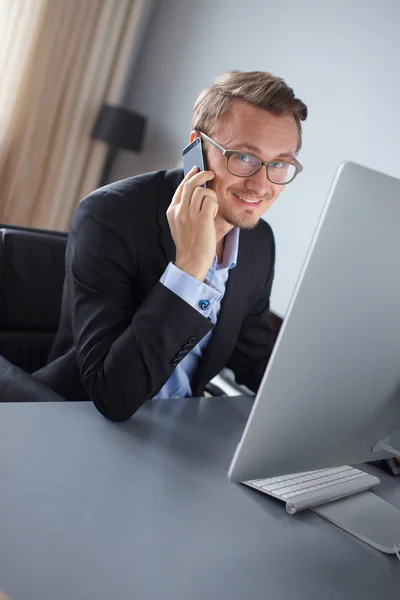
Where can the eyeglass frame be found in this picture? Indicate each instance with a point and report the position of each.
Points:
(228, 153)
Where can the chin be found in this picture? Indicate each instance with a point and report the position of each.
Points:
(243, 221)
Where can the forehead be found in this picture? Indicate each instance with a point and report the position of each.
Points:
(245, 123)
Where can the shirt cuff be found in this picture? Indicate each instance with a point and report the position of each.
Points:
(198, 294)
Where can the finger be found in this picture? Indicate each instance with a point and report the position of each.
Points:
(197, 200)
(209, 207)
(177, 196)
(200, 178)
(196, 181)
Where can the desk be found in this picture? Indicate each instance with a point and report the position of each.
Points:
(93, 510)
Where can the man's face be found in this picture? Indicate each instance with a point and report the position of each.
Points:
(267, 136)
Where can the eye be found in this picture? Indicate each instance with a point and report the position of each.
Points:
(278, 164)
(246, 158)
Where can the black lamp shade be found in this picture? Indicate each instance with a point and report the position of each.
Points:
(120, 128)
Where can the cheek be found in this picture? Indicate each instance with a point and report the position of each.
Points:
(222, 183)
(223, 180)
(277, 189)
(225, 185)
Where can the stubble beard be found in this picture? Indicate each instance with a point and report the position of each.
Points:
(246, 221)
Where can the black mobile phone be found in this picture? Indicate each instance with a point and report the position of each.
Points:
(193, 156)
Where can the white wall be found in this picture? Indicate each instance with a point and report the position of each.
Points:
(341, 58)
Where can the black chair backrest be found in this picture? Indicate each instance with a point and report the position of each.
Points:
(32, 267)
(31, 279)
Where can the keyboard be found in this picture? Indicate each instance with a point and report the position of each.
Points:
(313, 488)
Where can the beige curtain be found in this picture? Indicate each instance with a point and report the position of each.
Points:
(60, 60)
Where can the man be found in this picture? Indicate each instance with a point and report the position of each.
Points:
(168, 281)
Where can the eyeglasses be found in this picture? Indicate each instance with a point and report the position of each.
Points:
(243, 164)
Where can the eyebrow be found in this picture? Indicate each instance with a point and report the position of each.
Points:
(258, 151)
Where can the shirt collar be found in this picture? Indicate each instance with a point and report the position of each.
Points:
(231, 248)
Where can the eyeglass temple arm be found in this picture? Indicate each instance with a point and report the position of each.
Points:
(208, 139)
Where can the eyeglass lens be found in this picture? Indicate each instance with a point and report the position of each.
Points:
(243, 164)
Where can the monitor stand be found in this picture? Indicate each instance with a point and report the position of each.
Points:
(367, 517)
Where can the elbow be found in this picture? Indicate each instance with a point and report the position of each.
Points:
(114, 413)
(114, 402)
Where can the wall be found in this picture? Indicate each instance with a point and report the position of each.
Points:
(342, 60)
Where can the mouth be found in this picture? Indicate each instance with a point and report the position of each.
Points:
(249, 203)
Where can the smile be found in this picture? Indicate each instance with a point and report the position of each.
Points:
(246, 200)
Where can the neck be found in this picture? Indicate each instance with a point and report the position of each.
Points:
(221, 230)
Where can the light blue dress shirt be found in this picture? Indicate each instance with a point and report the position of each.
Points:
(193, 291)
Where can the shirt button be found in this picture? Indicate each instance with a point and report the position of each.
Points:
(175, 362)
(204, 304)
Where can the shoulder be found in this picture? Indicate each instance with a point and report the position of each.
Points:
(261, 238)
(264, 231)
(125, 201)
(256, 258)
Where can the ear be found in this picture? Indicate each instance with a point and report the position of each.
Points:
(193, 135)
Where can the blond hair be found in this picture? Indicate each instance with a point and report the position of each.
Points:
(259, 88)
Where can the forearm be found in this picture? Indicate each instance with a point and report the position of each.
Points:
(120, 374)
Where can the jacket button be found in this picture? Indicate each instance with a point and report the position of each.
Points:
(175, 362)
(187, 348)
(192, 341)
(181, 354)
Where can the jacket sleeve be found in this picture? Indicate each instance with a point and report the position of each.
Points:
(255, 343)
(125, 349)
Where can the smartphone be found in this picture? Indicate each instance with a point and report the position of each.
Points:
(192, 156)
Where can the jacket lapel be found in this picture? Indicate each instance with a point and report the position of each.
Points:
(226, 330)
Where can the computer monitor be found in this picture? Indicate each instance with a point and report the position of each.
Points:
(331, 391)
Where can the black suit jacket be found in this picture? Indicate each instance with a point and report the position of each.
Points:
(121, 329)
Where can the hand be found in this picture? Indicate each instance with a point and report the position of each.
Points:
(191, 217)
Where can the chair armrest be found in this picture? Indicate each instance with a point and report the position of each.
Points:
(214, 390)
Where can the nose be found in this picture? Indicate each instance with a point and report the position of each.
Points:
(259, 184)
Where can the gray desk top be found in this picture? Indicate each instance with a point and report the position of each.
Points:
(93, 510)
